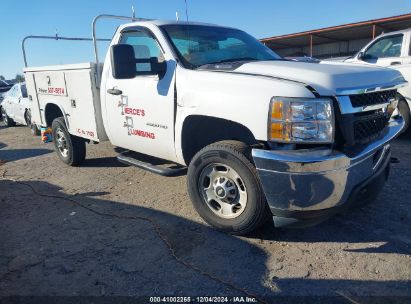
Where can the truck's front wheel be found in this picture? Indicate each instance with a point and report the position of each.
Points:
(70, 149)
(224, 188)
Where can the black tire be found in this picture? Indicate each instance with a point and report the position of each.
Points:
(27, 118)
(75, 147)
(237, 156)
(35, 131)
(405, 113)
(7, 120)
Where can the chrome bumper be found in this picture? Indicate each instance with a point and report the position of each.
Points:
(311, 181)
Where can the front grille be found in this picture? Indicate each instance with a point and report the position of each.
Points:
(368, 99)
(357, 129)
(368, 127)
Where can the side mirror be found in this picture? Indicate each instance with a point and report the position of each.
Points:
(158, 68)
(123, 62)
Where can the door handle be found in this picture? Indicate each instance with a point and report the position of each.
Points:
(395, 63)
(114, 91)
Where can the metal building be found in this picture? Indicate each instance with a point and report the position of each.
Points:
(336, 41)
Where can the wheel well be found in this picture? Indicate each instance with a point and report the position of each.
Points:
(402, 98)
(52, 112)
(200, 131)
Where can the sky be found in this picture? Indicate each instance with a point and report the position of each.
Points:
(72, 18)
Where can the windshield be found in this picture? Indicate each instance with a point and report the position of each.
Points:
(199, 45)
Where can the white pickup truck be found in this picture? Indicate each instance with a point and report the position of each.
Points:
(261, 136)
(391, 50)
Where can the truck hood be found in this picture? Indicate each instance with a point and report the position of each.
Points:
(326, 78)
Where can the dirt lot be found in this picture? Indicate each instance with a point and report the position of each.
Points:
(107, 229)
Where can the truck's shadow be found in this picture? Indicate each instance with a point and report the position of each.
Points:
(103, 162)
(18, 154)
(343, 229)
(386, 220)
(52, 246)
(9, 155)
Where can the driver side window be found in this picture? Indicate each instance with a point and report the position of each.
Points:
(146, 50)
(385, 47)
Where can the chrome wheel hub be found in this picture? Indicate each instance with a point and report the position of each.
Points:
(61, 142)
(223, 190)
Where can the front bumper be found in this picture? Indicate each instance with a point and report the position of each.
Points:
(305, 187)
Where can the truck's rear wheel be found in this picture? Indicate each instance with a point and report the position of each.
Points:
(224, 188)
(33, 127)
(70, 149)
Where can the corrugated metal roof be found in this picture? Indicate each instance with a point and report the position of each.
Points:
(389, 23)
(340, 40)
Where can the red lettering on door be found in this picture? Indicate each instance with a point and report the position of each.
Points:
(141, 133)
(134, 112)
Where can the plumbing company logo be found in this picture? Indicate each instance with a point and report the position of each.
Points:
(129, 113)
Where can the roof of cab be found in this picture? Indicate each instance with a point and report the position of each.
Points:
(167, 22)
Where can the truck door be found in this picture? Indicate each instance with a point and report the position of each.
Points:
(21, 104)
(385, 51)
(140, 114)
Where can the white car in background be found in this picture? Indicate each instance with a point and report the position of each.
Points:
(391, 50)
(4, 88)
(15, 107)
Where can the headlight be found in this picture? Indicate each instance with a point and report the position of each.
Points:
(301, 120)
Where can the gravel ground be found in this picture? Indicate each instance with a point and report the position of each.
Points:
(105, 229)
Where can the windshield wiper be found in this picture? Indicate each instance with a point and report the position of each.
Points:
(228, 61)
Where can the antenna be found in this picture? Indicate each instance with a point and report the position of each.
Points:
(134, 12)
(186, 9)
(178, 19)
